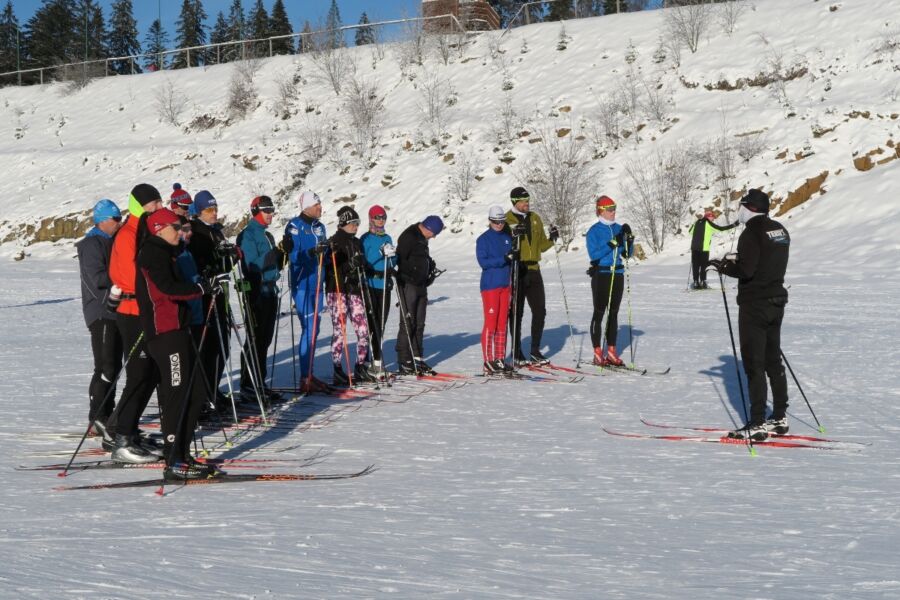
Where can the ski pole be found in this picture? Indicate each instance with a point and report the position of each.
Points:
(112, 387)
(562, 286)
(628, 301)
(275, 341)
(382, 320)
(406, 325)
(821, 428)
(312, 340)
(737, 371)
(515, 282)
(221, 336)
(604, 337)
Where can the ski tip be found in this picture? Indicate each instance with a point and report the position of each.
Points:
(62, 474)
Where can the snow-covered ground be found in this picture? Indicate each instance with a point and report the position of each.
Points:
(504, 489)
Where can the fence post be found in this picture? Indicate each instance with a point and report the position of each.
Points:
(188, 51)
(270, 47)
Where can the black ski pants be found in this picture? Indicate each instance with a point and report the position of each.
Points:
(140, 378)
(413, 305)
(376, 299)
(530, 286)
(759, 327)
(260, 331)
(106, 346)
(600, 290)
(180, 393)
(699, 263)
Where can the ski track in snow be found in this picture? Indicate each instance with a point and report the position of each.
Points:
(502, 490)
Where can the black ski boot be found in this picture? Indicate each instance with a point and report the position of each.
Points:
(339, 377)
(539, 359)
(127, 451)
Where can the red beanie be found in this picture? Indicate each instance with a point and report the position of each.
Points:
(605, 203)
(180, 196)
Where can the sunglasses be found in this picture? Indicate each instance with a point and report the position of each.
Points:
(116, 219)
(497, 222)
(353, 222)
(268, 210)
(177, 226)
(609, 208)
(379, 217)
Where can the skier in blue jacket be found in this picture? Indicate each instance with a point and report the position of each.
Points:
(379, 251)
(608, 243)
(494, 251)
(304, 241)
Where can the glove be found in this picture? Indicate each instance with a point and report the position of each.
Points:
(510, 257)
(317, 250)
(592, 270)
(613, 243)
(226, 248)
(518, 230)
(718, 264)
(388, 250)
(553, 233)
(287, 244)
(357, 261)
(114, 298)
(626, 232)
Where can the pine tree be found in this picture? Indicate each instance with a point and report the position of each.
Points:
(91, 30)
(51, 35)
(190, 32)
(219, 35)
(333, 37)
(279, 24)
(156, 42)
(365, 34)
(305, 43)
(258, 26)
(10, 41)
(123, 37)
(559, 11)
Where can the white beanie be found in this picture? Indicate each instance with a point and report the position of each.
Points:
(308, 200)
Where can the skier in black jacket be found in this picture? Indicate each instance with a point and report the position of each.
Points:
(760, 266)
(415, 272)
(99, 313)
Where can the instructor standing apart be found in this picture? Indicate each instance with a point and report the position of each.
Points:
(760, 266)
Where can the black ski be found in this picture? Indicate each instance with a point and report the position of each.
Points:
(221, 479)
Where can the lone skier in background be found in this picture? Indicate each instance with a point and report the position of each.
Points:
(760, 265)
(701, 236)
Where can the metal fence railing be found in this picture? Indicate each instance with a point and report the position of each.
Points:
(229, 51)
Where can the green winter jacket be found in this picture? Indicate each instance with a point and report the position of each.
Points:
(534, 243)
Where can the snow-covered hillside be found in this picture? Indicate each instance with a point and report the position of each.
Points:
(811, 99)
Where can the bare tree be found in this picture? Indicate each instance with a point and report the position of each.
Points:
(242, 95)
(170, 103)
(287, 84)
(436, 96)
(659, 189)
(656, 101)
(365, 106)
(333, 64)
(561, 180)
(687, 22)
(412, 48)
(606, 124)
(506, 122)
(462, 178)
(729, 12)
(316, 134)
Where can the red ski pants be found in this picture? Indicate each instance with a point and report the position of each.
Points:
(493, 336)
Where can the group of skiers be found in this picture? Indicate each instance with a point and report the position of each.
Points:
(155, 291)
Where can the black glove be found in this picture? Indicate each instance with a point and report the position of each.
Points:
(553, 233)
(592, 270)
(212, 285)
(510, 256)
(113, 298)
(626, 232)
(317, 250)
(613, 243)
(718, 264)
(357, 261)
(287, 243)
(226, 248)
(518, 230)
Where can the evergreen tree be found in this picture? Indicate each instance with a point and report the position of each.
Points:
(305, 43)
(365, 34)
(190, 32)
(279, 24)
(236, 32)
(509, 9)
(560, 11)
(91, 30)
(123, 37)
(10, 41)
(51, 35)
(156, 42)
(258, 28)
(333, 37)
(220, 34)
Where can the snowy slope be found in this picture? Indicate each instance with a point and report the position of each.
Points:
(504, 489)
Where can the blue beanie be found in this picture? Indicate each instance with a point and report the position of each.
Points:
(433, 224)
(106, 209)
(202, 201)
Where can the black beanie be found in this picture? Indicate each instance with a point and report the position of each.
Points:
(756, 200)
(346, 215)
(145, 193)
(518, 193)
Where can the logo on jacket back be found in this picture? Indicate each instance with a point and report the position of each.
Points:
(779, 236)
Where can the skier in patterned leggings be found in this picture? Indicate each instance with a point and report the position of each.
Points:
(343, 294)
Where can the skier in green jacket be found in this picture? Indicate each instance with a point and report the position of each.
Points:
(702, 232)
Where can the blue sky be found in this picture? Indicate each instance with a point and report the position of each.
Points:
(145, 11)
